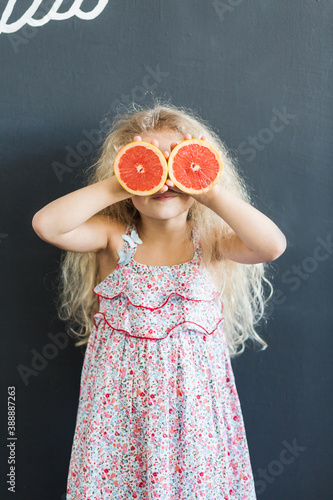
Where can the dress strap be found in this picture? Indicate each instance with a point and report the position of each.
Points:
(196, 243)
(131, 240)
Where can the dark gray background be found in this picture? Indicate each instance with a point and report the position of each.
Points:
(238, 64)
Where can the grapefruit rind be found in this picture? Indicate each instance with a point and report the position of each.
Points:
(175, 151)
(158, 153)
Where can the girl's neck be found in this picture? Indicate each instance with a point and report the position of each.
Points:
(166, 233)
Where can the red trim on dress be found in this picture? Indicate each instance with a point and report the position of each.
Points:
(158, 338)
(157, 307)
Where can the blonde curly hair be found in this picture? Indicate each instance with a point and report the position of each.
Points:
(243, 285)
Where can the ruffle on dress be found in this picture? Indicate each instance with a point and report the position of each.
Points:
(140, 322)
(149, 293)
(152, 301)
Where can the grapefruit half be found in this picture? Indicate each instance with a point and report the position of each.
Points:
(195, 166)
(141, 168)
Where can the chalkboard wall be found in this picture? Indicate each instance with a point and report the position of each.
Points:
(260, 72)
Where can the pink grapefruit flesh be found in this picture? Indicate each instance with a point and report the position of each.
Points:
(141, 168)
(195, 166)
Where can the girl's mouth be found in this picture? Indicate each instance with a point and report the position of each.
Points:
(164, 197)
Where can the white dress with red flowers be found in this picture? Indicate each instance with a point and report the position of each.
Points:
(159, 415)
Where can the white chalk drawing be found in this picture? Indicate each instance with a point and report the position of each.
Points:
(53, 14)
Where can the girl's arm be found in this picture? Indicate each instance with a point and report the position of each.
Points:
(256, 238)
(69, 222)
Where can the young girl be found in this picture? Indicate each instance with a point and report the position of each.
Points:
(144, 277)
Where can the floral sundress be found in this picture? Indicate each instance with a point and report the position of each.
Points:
(159, 416)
